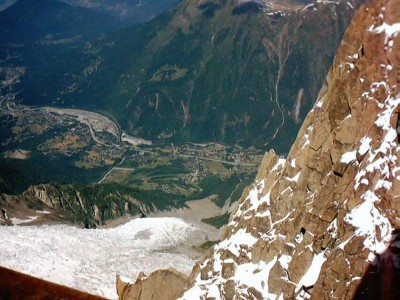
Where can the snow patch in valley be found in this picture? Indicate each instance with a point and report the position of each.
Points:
(89, 259)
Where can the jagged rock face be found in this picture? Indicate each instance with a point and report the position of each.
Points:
(314, 225)
(169, 284)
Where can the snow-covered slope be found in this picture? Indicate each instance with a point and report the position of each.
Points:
(89, 259)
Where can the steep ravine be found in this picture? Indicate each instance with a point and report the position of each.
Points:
(323, 223)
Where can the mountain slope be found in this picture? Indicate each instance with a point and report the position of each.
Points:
(32, 32)
(206, 71)
(28, 21)
(323, 223)
(130, 12)
(313, 224)
(88, 206)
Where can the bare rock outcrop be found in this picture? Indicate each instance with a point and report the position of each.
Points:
(323, 223)
(161, 284)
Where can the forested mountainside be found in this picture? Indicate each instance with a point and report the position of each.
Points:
(226, 71)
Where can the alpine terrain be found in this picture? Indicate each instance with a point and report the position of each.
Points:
(146, 108)
(88, 206)
(231, 71)
(128, 11)
(323, 222)
(33, 32)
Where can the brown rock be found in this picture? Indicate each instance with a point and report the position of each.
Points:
(228, 269)
(161, 284)
(277, 279)
(229, 289)
(300, 263)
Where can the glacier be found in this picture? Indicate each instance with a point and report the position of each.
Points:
(89, 259)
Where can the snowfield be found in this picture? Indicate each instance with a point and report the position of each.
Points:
(89, 259)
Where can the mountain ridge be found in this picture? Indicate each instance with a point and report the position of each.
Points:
(324, 222)
(88, 206)
(313, 210)
(19, 26)
(130, 12)
(34, 33)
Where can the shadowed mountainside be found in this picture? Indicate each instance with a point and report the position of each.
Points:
(205, 71)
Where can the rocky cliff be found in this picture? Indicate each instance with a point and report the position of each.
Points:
(323, 223)
(169, 285)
